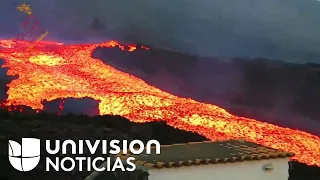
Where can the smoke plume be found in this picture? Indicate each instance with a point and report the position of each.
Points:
(286, 30)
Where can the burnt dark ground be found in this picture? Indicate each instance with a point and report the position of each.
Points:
(16, 125)
(50, 126)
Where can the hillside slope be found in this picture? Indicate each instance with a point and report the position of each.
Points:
(273, 91)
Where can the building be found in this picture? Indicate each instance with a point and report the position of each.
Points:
(222, 160)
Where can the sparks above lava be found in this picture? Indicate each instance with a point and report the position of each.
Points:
(54, 70)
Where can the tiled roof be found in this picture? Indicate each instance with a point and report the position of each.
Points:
(207, 152)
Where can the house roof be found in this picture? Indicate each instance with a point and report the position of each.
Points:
(207, 152)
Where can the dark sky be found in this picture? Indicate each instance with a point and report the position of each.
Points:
(288, 30)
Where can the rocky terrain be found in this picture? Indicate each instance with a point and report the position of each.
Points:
(16, 125)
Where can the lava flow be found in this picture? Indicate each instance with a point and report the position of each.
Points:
(54, 70)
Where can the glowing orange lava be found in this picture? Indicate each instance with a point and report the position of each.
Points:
(54, 70)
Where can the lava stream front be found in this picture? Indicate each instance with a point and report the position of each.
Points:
(54, 70)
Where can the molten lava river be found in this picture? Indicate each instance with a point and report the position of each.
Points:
(53, 70)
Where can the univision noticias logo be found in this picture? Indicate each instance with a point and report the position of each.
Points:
(68, 155)
(26, 156)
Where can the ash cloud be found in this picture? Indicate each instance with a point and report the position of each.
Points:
(288, 30)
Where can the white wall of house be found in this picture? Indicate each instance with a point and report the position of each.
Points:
(249, 170)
